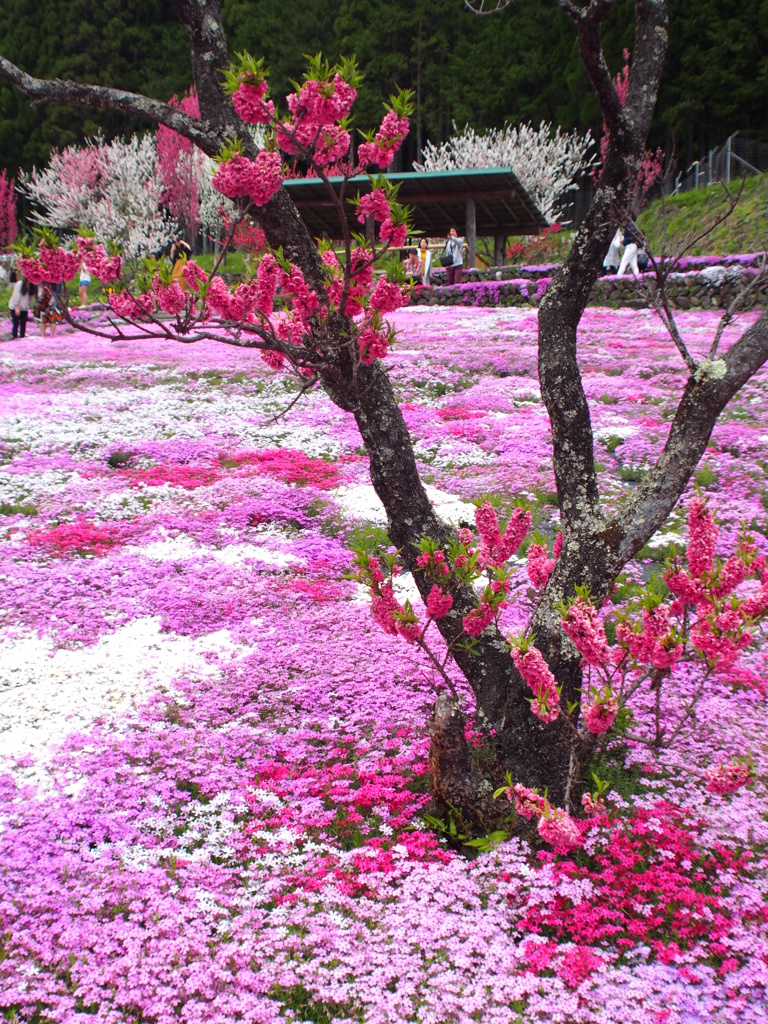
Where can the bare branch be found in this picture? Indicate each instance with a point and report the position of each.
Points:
(740, 302)
(691, 241)
(588, 21)
(659, 298)
(707, 393)
(207, 137)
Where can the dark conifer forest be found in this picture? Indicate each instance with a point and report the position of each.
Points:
(517, 66)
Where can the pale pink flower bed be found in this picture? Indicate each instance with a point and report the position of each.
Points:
(214, 765)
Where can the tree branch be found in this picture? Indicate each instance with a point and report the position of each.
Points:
(650, 50)
(208, 137)
(588, 21)
(704, 398)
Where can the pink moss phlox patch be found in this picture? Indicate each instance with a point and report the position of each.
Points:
(80, 538)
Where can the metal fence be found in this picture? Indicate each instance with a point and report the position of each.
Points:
(740, 154)
(737, 156)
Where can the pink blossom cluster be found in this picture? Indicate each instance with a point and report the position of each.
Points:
(560, 830)
(540, 565)
(60, 264)
(258, 179)
(132, 307)
(495, 549)
(384, 605)
(721, 637)
(702, 537)
(438, 603)
(31, 268)
(654, 641)
(719, 631)
(555, 827)
(52, 264)
(316, 109)
(388, 139)
(236, 305)
(393, 234)
(374, 204)
(592, 805)
(194, 275)
(249, 103)
(387, 296)
(479, 618)
(372, 345)
(538, 675)
(582, 624)
(170, 297)
(97, 262)
(528, 802)
(249, 301)
(727, 778)
(600, 715)
(357, 284)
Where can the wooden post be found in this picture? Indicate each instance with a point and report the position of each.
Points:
(370, 229)
(471, 233)
(498, 250)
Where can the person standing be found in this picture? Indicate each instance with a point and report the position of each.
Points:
(632, 238)
(180, 253)
(19, 305)
(613, 256)
(425, 261)
(83, 283)
(454, 247)
(49, 300)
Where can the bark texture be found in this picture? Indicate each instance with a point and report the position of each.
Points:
(457, 785)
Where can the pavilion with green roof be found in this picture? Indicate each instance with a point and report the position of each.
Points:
(483, 202)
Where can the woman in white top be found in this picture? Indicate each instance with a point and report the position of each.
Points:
(613, 256)
(19, 306)
(425, 258)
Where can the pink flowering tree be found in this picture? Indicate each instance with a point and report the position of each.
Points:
(320, 314)
(112, 189)
(652, 166)
(700, 617)
(182, 167)
(8, 225)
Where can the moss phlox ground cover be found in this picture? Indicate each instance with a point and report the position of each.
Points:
(214, 769)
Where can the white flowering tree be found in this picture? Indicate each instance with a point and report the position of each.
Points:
(217, 212)
(113, 189)
(546, 162)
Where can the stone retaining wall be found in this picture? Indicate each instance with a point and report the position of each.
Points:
(711, 287)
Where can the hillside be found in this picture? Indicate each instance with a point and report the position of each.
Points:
(746, 230)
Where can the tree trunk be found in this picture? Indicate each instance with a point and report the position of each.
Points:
(457, 785)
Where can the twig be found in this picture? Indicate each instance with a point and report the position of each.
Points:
(737, 305)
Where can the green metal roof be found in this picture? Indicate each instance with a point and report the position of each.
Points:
(438, 200)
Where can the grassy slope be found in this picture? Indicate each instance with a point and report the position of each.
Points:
(746, 230)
